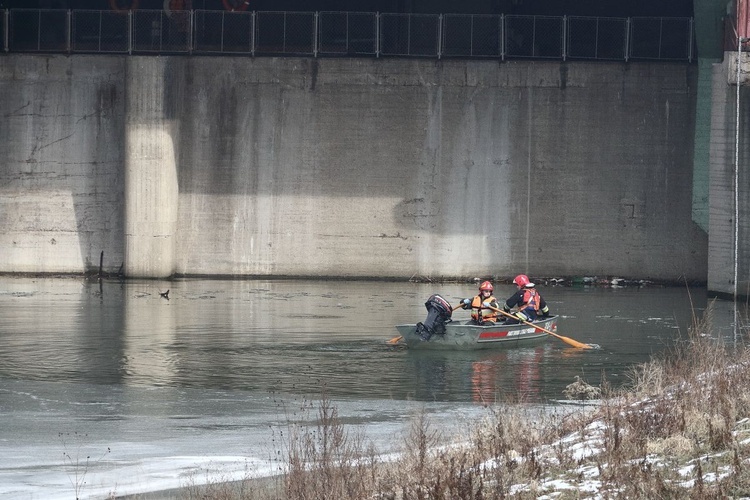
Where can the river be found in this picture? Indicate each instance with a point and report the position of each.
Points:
(109, 388)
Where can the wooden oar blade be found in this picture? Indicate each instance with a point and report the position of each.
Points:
(574, 343)
(394, 340)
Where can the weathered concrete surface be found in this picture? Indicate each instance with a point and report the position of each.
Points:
(61, 178)
(362, 168)
(151, 193)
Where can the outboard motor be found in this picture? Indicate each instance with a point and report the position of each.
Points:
(438, 314)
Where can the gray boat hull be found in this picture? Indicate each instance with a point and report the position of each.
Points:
(464, 335)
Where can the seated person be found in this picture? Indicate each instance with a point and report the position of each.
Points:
(529, 302)
(480, 305)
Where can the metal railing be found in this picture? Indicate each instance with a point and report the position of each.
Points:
(354, 34)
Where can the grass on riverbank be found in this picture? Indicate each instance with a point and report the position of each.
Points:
(681, 429)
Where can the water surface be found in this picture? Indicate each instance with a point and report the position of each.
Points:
(301, 336)
(157, 388)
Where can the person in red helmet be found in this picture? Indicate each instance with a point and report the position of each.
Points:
(527, 300)
(480, 305)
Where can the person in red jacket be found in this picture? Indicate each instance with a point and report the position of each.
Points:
(480, 305)
(527, 300)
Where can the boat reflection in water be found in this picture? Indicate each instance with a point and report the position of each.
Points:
(492, 378)
(485, 376)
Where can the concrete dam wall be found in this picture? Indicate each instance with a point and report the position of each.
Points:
(347, 167)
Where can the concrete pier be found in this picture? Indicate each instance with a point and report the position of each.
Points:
(151, 154)
(729, 233)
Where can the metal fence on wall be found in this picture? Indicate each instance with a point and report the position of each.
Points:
(354, 34)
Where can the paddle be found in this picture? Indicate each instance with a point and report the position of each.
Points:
(567, 340)
(396, 340)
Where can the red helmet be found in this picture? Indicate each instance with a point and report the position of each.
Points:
(486, 285)
(521, 280)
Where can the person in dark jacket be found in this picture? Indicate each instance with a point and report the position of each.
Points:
(528, 302)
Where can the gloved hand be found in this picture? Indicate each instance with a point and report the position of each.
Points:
(486, 304)
(466, 303)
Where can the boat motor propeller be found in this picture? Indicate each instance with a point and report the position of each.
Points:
(439, 313)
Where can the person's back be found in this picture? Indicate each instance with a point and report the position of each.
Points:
(527, 300)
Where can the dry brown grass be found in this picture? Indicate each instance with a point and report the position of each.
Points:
(328, 459)
(681, 429)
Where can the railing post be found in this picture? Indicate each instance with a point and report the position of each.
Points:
(69, 30)
(252, 30)
(39, 30)
(316, 20)
(471, 44)
(377, 34)
(191, 23)
(283, 37)
(130, 32)
(627, 40)
(564, 38)
(440, 37)
(223, 31)
(408, 33)
(158, 28)
(661, 36)
(99, 31)
(502, 37)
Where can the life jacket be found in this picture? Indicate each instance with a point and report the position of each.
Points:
(479, 313)
(531, 299)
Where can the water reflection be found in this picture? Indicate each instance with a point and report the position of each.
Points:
(484, 376)
(302, 337)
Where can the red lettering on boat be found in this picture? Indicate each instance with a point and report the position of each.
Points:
(492, 335)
